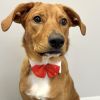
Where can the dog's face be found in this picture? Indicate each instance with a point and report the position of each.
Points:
(46, 27)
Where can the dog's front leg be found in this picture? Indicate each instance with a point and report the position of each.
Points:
(25, 97)
(59, 97)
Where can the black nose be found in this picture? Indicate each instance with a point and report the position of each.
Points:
(56, 41)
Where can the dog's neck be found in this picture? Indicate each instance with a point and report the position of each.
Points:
(45, 60)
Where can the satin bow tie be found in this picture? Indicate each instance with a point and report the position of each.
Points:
(42, 70)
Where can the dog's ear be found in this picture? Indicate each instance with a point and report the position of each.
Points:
(75, 19)
(20, 11)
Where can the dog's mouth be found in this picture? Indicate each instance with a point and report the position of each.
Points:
(51, 52)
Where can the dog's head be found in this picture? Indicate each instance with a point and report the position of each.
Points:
(46, 27)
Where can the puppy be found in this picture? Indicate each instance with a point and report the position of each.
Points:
(44, 72)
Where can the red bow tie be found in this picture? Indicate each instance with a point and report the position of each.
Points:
(50, 69)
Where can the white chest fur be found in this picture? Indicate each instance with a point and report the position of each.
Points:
(40, 87)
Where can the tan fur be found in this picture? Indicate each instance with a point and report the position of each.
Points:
(35, 41)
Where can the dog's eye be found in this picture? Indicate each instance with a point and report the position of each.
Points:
(37, 19)
(63, 21)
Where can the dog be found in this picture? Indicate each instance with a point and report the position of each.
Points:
(44, 72)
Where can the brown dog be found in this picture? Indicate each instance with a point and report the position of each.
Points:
(45, 41)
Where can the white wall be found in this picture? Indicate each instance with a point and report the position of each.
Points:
(83, 55)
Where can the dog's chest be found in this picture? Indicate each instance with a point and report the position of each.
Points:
(39, 87)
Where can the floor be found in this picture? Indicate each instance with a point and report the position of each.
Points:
(91, 98)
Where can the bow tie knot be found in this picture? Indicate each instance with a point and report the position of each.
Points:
(50, 70)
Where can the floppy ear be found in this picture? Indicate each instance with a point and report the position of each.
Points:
(75, 19)
(17, 15)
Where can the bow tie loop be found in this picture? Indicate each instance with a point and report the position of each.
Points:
(50, 70)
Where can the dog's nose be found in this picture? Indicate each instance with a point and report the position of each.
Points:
(56, 41)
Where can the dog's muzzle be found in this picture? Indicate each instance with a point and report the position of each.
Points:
(56, 42)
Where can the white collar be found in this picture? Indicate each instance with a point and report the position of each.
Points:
(45, 61)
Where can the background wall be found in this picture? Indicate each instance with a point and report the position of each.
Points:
(83, 55)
